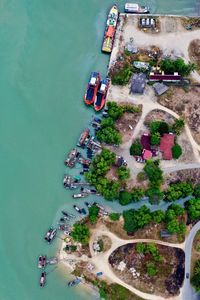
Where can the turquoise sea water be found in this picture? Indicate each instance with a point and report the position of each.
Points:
(47, 50)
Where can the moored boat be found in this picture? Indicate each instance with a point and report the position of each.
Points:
(111, 25)
(84, 137)
(43, 279)
(77, 209)
(92, 87)
(42, 261)
(50, 235)
(134, 8)
(80, 195)
(72, 158)
(101, 94)
(74, 282)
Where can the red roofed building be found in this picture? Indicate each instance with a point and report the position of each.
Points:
(166, 144)
(145, 141)
(146, 154)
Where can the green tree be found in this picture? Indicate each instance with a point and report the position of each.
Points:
(154, 173)
(158, 216)
(109, 135)
(178, 210)
(155, 195)
(107, 122)
(170, 66)
(115, 111)
(178, 126)
(114, 216)
(137, 194)
(193, 209)
(80, 233)
(197, 191)
(176, 151)
(136, 219)
(178, 190)
(93, 213)
(123, 173)
(159, 127)
(125, 198)
(155, 138)
(136, 148)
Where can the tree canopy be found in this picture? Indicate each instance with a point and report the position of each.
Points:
(80, 233)
(170, 66)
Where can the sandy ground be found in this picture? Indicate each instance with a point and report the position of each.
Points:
(172, 39)
(149, 103)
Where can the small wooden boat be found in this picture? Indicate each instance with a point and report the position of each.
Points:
(42, 261)
(43, 279)
(84, 137)
(81, 195)
(50, 235)
(74, 282)
(72, 157)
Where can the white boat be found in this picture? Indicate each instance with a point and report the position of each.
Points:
(134, 8)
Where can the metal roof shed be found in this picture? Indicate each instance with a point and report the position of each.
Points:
(138, 83)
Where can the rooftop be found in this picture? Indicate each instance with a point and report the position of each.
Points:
(166, 144)
(160, 88)
(145, 141)
(138, 83)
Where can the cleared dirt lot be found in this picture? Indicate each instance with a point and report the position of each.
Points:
(186, 103)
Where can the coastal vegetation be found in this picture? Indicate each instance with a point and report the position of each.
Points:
(80, 233)
(114, 216)
(136, 148)
(108, 133)
(173, 218)
(93, 213)
(178, 190)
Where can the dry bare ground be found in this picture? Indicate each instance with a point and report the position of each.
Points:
(195, 250)
(170, 268)
(126, 124)
(191, 175)
(186, 104)
(194, 53)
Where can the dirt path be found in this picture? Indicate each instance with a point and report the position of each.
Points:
(149, 103)
(102, 264)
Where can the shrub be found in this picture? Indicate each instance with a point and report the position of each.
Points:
(136, 148)
(178, 126)
(123, 173)
(151, 269)
(114, 216)
(125, 198)
(178, 190)
(141, 176)
(176, 151)
(122, 76)
(101, 245)
(155, 138)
